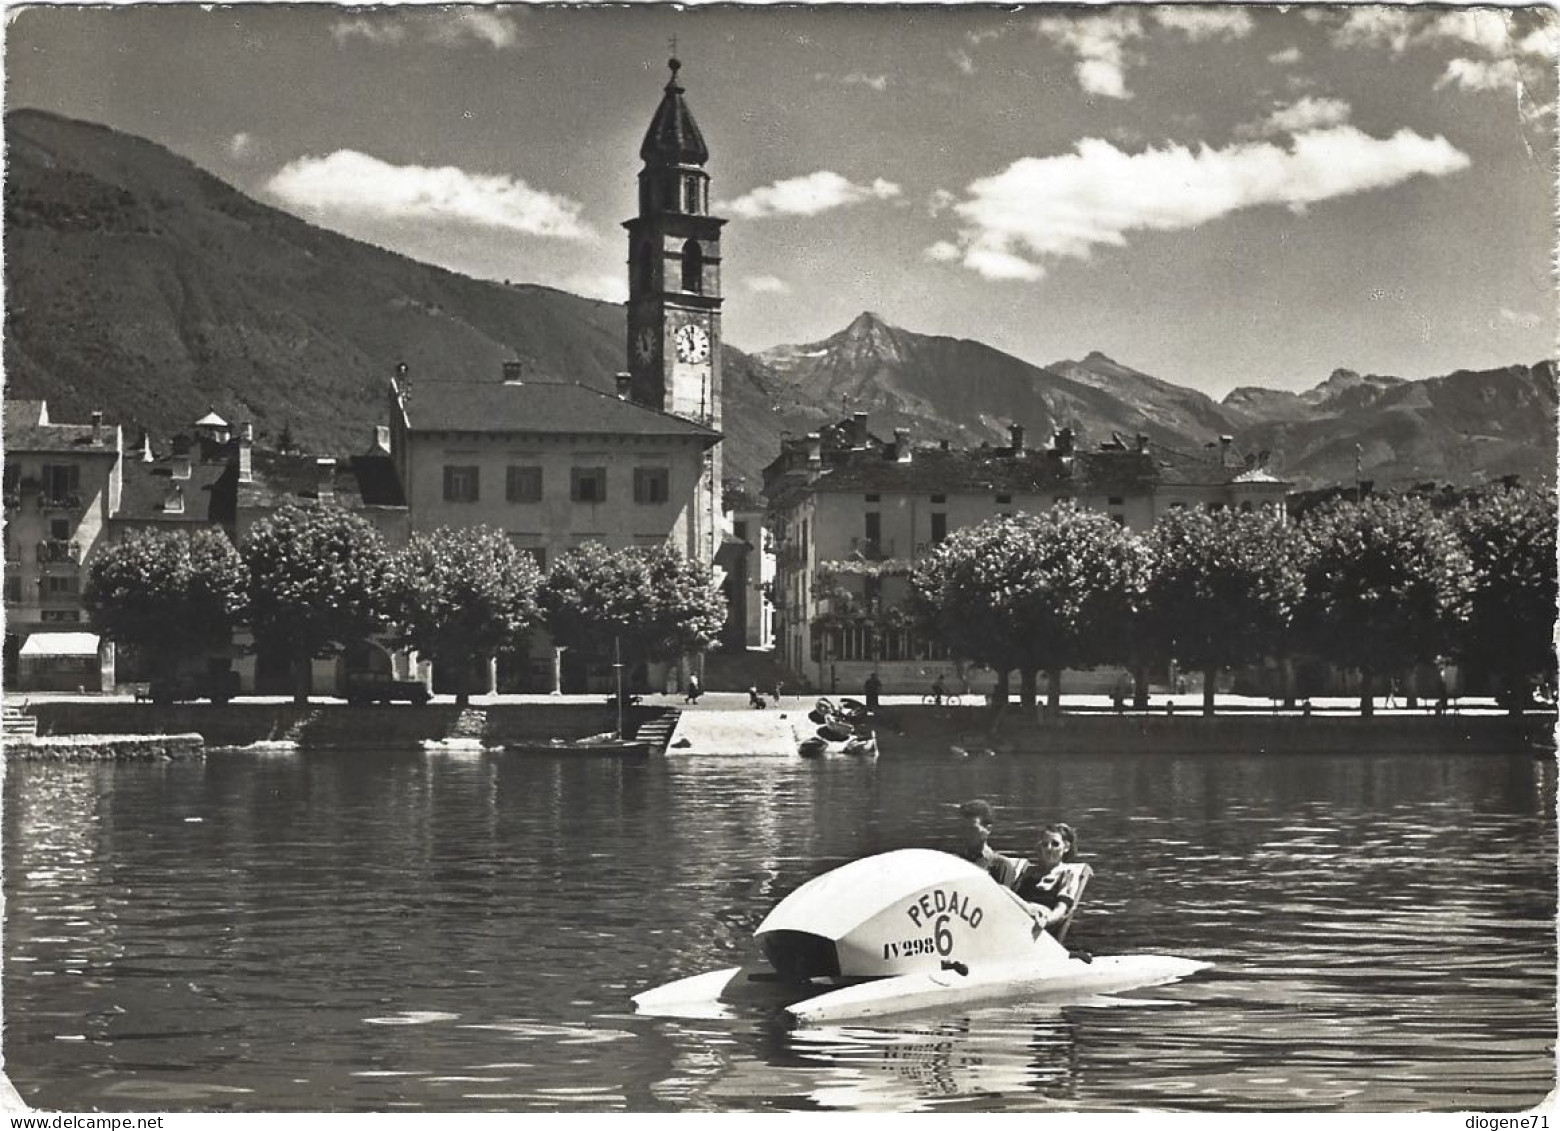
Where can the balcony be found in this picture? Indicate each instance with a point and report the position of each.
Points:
(55, 551)
(66, 501)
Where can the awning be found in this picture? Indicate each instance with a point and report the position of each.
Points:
(61, 644)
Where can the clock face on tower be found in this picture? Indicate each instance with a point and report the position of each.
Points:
(644, 344)
(693, 344)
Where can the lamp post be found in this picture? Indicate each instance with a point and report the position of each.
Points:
(617, 666)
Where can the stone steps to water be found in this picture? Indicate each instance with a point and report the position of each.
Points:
(19, 724)
(658, 731)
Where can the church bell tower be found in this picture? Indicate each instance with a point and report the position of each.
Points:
(674, 270)
(674, 293)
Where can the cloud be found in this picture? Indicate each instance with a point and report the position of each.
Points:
(348, 184)
(1481, 74)
(767, 285)
(1516, 319)
(1489, 30)
(1200, 23)
(447, 27)
(1100, 42)
(1100, 45)
(1284, 58)
(807, 196)
(878, 83)
(496, 29)
(964, 61)
(1298, 117)
(1065, 206)
(944, 251)
(241, 145)
(361, 27)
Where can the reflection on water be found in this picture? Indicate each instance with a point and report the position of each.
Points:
(453, 930)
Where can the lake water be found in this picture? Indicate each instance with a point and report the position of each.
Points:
(460, 932)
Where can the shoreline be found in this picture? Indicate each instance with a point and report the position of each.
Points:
(102, 728)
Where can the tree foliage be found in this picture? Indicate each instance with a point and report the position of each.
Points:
(1033, 592)
(460, 596)
(653, 603)
(1222, 588)
(1386, 586)
(317, 580)
(1509, 537)
(167, 595)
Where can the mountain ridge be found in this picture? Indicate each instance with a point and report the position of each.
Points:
(142, 285)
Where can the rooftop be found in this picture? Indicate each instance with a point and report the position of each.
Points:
(539, 408)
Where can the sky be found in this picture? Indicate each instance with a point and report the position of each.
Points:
(1215, 195)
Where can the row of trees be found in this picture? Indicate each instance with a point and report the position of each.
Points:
(307, 582)
(1379, 586)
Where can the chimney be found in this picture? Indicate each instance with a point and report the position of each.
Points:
(1224, 450)
(902, 445)
(514, 372)
(173, 502)
(1064, 441)
(814, 450)
(403, 381)
(1016, 436)
(858, 429)
(945, 445)
(246, 454)
(146, 447)
(326, 466)
(381, 444)
(1142, 442)
(181, 467)
(97, 428)
(625, 385)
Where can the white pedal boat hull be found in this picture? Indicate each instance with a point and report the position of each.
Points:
(904, 932)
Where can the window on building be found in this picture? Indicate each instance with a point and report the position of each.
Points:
(874, 498)
(1119, 519)
(61, 585)
(1001, 499)
(1215, 508)
(61, 479)
(1062, 499)
(939, 498)
(693, 267)
(939, 527)
(691, 195)
(523, 484)
(1245, 507)
(13, 589)
(652, 484)
(538, 554)
(57, 616)
(1115, 501)
(739, 529)
(460, 483)
(1178, 506)
(588, 485)
(59, 529)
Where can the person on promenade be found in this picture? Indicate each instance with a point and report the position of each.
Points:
(695, 688)
(1052, 885)
(975, 828)
(872, 689)
(938, 690)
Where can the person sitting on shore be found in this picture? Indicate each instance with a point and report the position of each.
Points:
(975, 828)
(1053, 884)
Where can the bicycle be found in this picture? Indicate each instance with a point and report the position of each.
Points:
(946, 699)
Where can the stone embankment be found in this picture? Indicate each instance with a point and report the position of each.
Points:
(723, 725)
(106, 747)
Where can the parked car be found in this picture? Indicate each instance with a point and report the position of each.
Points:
(381, 687)
(218, 686)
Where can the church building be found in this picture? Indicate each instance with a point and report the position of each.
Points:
(558, 463)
